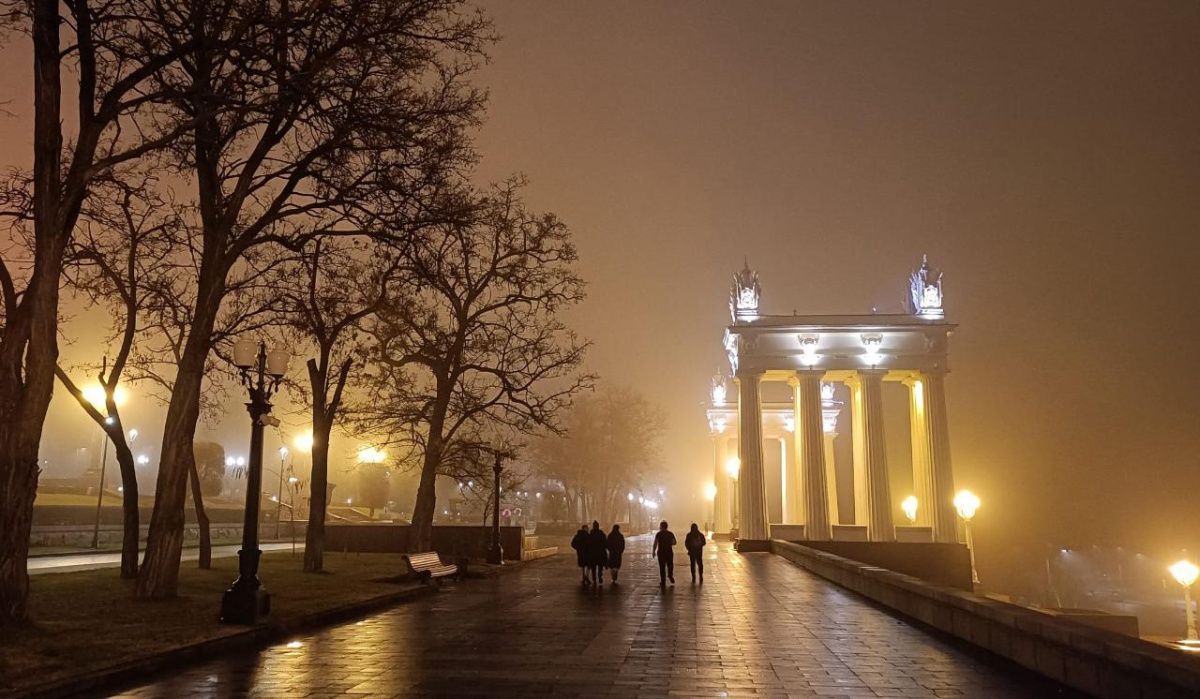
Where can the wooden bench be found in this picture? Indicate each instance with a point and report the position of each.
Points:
(428, 566)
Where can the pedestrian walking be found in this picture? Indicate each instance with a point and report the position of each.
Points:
(694, 543)
(664, 548)
(580, 544)
(616, 547)
(597, 552)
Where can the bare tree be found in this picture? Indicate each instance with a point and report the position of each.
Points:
(114, 59)
(336, 283)
(608, 448)
(124, 236)
(320, 101)
(476, 344)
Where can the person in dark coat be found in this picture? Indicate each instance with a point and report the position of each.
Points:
(616, 546)
(694, 543)
(597, 553)
(580, 544)
(664, 550)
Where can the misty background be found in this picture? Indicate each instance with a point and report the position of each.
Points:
(1045, 155)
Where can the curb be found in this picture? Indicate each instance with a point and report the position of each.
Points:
(250, 639)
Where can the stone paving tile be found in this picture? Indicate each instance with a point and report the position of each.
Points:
(758, 627)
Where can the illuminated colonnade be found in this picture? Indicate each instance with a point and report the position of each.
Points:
(811, 354)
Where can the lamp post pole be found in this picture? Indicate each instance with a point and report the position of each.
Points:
(100, 495)
(1185, 573)
(495, 554)
(283, 452)
(246, 602)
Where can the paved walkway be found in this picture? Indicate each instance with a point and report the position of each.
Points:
(72, 562)
(758, 626)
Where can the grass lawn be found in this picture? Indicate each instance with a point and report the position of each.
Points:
(88, 620)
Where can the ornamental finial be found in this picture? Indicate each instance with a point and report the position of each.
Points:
(744, 296)
(925, 291)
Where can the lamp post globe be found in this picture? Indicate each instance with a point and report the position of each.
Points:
(246, 601)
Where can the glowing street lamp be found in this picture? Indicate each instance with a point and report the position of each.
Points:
(967, 503)
(97, 395)
(909, 505)
(1185, 573)
(304, 442)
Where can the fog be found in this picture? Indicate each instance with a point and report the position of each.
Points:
(1045, 156)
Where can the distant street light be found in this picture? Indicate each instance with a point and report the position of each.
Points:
(97, 395)
(1185, 573)
(733, 467)
(304, 441)
(246, 602)
(909, 505)
(967, 503)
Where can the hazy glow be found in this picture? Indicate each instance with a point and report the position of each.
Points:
(283, 452)
(1184, 572)
(909, 505)
(133, 435)
(371, 455)
(710, 492)
(789, 424)
(966, 503)
(733, 466)
(95, 394)
(304, 442)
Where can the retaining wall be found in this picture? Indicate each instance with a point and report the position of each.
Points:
(1092, 660)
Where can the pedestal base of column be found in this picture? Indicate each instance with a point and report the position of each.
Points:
(752, 545)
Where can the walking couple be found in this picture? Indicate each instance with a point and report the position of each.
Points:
(595, 552)
(664, 549)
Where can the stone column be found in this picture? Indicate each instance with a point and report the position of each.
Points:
(941, 504)
(830, 411)
(922, 478)
(794, 491)
(811, 442)
(791, 511)
(721, 521)
(859, 460)
(878, 490)
(752, 490)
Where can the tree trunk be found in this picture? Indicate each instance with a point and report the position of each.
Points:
(204, 560)
(29, 351)
(420, 533)
(314, 537)
(159, 575)
(129, 506)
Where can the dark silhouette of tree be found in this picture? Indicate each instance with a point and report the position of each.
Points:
(608, 449)
(125, 235)
(112, 58)
(476, 346)
(330, 289)
(316, 104)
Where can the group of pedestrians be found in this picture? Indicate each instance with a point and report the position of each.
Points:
(595, 551)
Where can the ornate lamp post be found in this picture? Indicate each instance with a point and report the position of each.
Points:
(246, 602)
(495, 554)
(1185, 573)
(967, 503)
(629, 499)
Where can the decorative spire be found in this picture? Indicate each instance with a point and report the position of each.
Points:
(744, 296)
(925, 291)
(718, 389)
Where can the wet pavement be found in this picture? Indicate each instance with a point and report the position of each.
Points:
(758, 626)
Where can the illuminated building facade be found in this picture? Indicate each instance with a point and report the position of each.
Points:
(810, 355)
